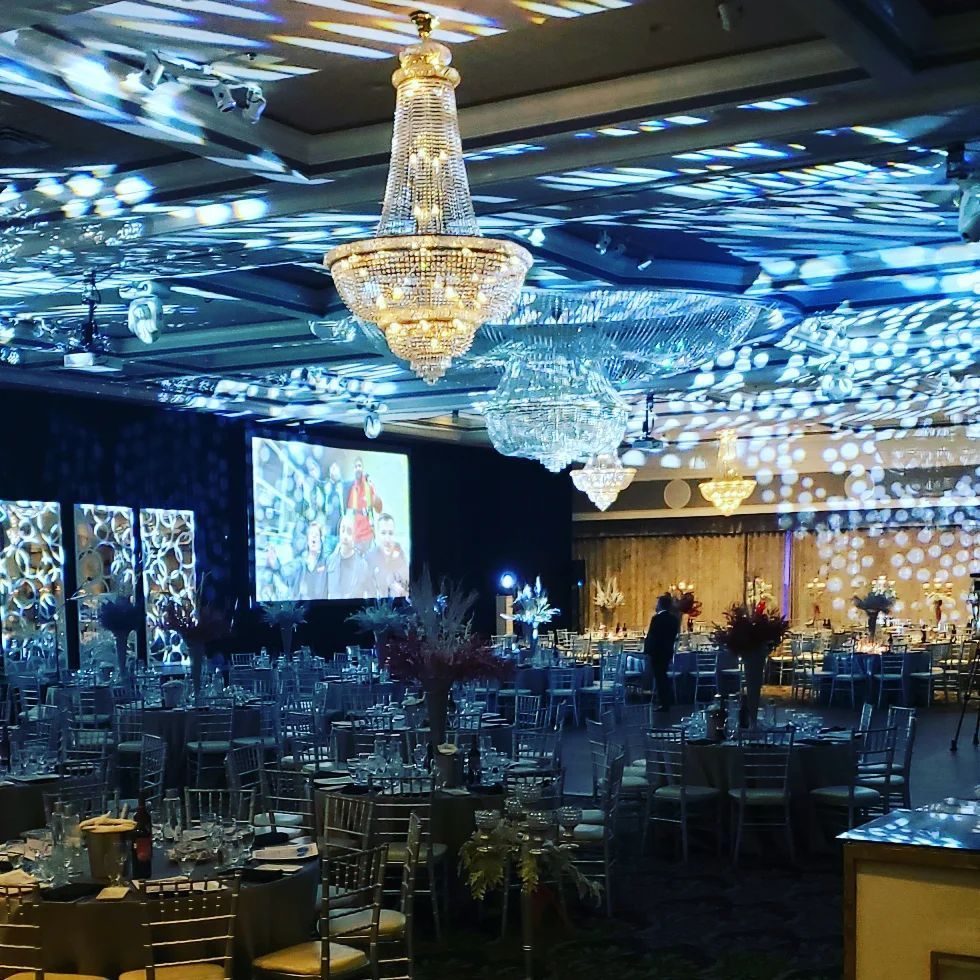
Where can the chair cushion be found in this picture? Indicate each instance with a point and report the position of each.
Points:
(880, 779)
(261, 741)
(635, 769)
(635, 782)
(695, 794)
(397, 853)
(209, 747)
(55, 976)
(131, 747)
(303, 960)
(390, 926)
(281, 819)
(839, 795)
(759, 797)
(192, 971)
(588, 832)
(593, 816)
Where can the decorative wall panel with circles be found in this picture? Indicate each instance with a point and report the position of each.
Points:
(677, 494)
(32, 582)
(167, 539)
(105, 565)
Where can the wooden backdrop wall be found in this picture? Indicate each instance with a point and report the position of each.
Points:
(910, 557)
(719, 566)
(645, 567)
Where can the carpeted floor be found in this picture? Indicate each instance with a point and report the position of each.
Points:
(675, 923)
(764, 921)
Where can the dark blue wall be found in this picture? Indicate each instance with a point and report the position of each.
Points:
(474, 513)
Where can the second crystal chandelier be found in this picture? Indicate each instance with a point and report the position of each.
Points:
(428, 279)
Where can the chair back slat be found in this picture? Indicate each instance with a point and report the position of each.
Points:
(188, 923)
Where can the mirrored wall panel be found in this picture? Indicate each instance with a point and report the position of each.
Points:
(167, 538)
(105, 569)
(32, 582)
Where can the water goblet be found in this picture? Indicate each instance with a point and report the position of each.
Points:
(246, 835)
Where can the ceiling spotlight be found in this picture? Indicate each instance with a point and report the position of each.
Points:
(836, 384)
(153, 71)
(729, 13)
(645, 264)
(372, 425)
(602, 245)
(224, 98)
(143, 318)
(254, 104)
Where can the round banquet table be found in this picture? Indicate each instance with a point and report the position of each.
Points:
(453, 814)
(537, 680)
(811, 766)
(870, 664)
(685, 663)
(105, 938)
(501, 737)
(170, 724)
(22, 805)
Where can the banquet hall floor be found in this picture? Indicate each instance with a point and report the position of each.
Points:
(765, 920)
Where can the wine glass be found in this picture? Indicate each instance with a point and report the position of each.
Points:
(246, 836)
(185, 852)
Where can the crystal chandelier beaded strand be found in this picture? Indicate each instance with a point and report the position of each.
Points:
(428, 279)
(727, 493)
(555, 404)
(603, 479)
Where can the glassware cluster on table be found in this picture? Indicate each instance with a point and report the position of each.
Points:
(805, 724)
(385, 760)
(218, 838)
(56, 855)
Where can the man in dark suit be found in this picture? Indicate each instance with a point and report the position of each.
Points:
(659, 647)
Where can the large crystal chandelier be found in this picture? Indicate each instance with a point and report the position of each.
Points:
(728, 492)
(603, 478)
(428, 279)
(555, 403)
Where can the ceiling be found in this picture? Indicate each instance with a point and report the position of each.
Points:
(799, 158)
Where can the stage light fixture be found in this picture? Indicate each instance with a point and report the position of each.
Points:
(224, 99)
(254, 104)
(372, 425)
(143, 318)
(508, 582)
(153, 71)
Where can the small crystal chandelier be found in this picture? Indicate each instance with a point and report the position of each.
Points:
(555, 403)
(428, 279)
(728, 492)
(603, 478)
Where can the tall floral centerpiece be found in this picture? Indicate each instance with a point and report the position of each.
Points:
(198, 630)
(752, 633)
(816, 588)
(758, 593)
(685, 603)
(879, 599)
(936, 593)
(608, 598)
(533, 610)
(382, 618)
(120, 616)
(287, 616)
(439, 649)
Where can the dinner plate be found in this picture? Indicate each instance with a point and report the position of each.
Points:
(287, 852)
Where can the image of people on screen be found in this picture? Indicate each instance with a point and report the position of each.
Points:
(387, 560)
(329, 523)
